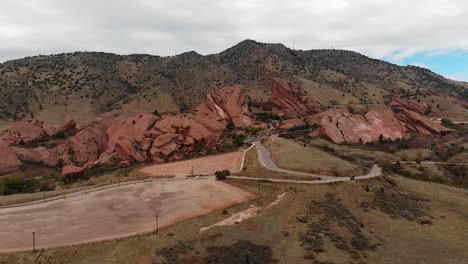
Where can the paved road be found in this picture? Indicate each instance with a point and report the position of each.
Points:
(432, 162)
(267, 162)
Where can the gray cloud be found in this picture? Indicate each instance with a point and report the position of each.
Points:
(377, 28)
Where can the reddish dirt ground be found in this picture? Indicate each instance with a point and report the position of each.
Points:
(201, 166)
(112, 213)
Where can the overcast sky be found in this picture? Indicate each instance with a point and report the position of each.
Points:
(400, 31)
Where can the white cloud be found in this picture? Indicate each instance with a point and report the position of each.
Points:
(419, 64)
(377, 28)
(458, 76)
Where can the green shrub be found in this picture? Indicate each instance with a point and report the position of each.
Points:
(221, 175)
(447, 122)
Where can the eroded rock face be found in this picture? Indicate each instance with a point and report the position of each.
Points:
(338, 125)
(421, 124)
(9, 162)
(293, 101)
(411, 105)
(25, 131)
(228, 103)
(40, 155)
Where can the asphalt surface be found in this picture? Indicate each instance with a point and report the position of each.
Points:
(266, 161)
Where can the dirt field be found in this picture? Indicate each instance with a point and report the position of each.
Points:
(201, 166)
(113, 213)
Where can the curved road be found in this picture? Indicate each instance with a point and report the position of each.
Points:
(265, 159)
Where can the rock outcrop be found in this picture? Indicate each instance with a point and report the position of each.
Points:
(228, 103)
(293, 102)
(32, 130)
(40, 155)
(338, 125)
(421, 124)
(9, 162)
(411, 105)
(291, 123)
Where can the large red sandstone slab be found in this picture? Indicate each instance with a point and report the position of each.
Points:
(9, 162)
(293, 101)
(339, 125)
(40, 155)
(228, 103)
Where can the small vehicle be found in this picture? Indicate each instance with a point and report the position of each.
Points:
(352, 178)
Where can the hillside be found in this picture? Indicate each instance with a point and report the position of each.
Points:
(82, 85)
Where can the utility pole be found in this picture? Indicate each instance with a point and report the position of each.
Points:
(156, 216)
(34, 242)
(294, 44)
(192, 171)
(44, 197)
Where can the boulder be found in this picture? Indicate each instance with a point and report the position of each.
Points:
(87, 145)
(189, 141)
(146, 144)
(164, 139)
(132, 128)
(290, 123)
(124, 164)
(72, 171)
(168, 149)
(9, 162)
(128, 150)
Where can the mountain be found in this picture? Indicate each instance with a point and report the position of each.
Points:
(81, 85)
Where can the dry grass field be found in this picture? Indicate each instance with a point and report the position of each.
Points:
(414, 154)
(294, 156)
(253, 168)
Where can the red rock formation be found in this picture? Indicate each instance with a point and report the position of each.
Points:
(293, 101)
(9, 162)
(228, 103)
(339, 125)
(23, 130)
(72, 171)
(290, 123)
(40, 155)
(412, 105)
(113, 137)
(420, 124)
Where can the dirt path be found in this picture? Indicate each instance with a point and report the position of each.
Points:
(112, 213)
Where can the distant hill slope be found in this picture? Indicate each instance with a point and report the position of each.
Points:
(81, 85)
